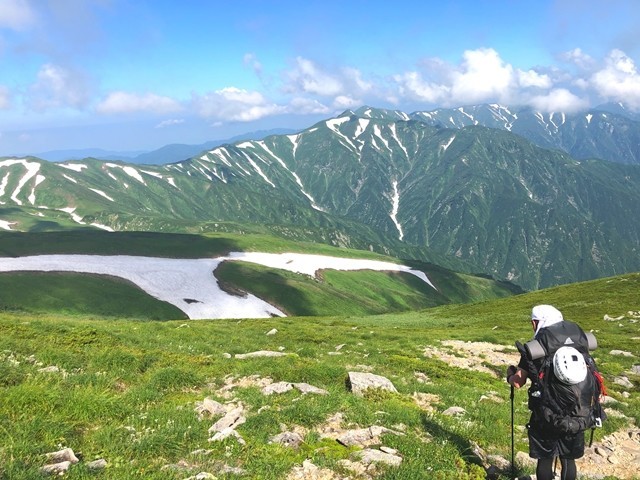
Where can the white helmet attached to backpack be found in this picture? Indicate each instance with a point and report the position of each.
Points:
(569, 366)
(546, 315)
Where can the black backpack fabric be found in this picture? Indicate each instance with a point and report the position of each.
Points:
(564, 408)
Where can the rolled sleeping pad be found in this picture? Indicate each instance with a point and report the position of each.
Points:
(591, 340)
(534, 349)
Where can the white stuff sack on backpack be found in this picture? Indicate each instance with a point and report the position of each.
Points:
(569, 366)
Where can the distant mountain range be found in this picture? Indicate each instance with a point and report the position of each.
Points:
(166, 154)
(474, 197)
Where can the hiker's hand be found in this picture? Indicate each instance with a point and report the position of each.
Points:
(518, 378)
(510, 371)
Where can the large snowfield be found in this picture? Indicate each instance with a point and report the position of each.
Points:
(190, 284)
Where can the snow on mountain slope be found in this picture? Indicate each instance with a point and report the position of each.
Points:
(189, 284)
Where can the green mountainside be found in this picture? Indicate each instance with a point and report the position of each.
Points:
(473, 199)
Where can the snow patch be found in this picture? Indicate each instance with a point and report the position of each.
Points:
(101, 193)
(5, 225)
(445, 146)
(32, 169)
(394, 210)
(32, 196)
(76, 167)
(189, 283)
(69, 178)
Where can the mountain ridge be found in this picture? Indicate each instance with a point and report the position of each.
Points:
(483, 196)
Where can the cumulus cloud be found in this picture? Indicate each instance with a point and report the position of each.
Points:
(16, 14)
(414, 87)
(618, 80)
(58, 87)
(235, 104)
(125, 102)
(558, 100)
(306, 77)
(531, 78)
(484, 76)
(579, 58)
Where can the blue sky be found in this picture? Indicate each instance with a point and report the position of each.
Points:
(139, 74)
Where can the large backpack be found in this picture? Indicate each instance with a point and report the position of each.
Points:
(566, 390)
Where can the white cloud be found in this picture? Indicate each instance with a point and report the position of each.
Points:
(304, 106)
(57, 87)
(16, 14)
(306, 77)
(125, 102)
(483, 77)
(414, 87)
(618, 80)
(343, 101)
(170, 122)
(578, 58)
(558, 100)
(5, 98)
(531, 78)
(235, 104)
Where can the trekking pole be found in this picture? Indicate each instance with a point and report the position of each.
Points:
(513, 463)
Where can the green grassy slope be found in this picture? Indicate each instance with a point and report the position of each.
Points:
(358, 293)
(80, 294)
(126, 390)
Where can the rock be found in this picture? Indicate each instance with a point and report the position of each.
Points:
(364, 437)
(426, 400)
(451, 411)
(211, 407)
(421, 377)
(525, 460)
(623, 381)
(260, 353)
(288, 439)
(306, 388)
(608, 318)
(389, 450)
(370, 455)
(499, 462)
(360, 382)
(64, 455)
(273, 331)
(226, 433)
(226, 355)
(99, 464)
(340, 347)
(56, 468)
(635, 369)
(308, 471)
(279, 387)
(621, 353)
(231, 420)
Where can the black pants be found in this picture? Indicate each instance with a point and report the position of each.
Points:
(544, 470)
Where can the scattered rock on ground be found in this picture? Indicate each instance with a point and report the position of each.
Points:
(59, 468)
(360, 382)
(260, 353)
(66, 454)
(273, 331)
(621, 353)
(473, 355)
(309, 471)
(364, 437)
(453, 411)
(288, 439)
(99, 464)
(371, 455)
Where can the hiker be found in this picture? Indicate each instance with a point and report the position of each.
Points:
(565, 390)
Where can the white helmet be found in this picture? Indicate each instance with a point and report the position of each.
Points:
(569, 366)
(546, 315)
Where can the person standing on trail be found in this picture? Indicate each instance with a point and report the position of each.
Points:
(564, 397)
